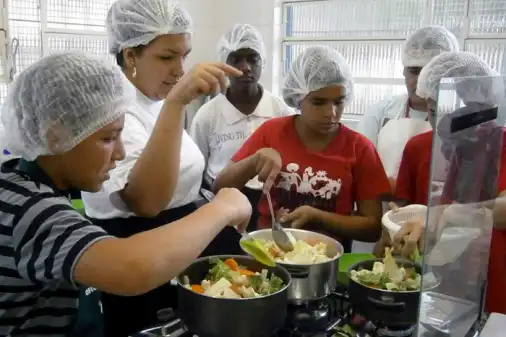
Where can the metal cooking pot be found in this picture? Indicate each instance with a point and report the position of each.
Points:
(314, 281)
(391, 308)
(221, 317)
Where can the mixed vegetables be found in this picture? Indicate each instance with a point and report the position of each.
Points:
(388, 275)
(302, 253)
(227, 279)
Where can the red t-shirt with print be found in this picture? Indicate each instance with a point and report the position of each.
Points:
(346, 171)
(413, 186)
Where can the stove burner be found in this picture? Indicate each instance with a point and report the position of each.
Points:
(311, 319)
(320, 315)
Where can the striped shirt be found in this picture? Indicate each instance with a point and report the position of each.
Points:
(41, 239)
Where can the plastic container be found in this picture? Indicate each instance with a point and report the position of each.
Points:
(393, 220)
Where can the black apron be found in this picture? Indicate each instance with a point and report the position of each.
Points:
(124, 316)
(254, 198)
(89, 320)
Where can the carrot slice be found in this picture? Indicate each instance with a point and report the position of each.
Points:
(235, 289)
(197, 288)
(246, 272)
(232, 264)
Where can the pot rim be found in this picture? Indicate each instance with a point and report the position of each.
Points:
(221, 257)
(358, 264)
(339, 246)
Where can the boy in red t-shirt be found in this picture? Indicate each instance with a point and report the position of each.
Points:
(318, 168)
(414, 172)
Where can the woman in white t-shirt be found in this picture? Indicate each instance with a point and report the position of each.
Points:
(159, 180)
(223, 124)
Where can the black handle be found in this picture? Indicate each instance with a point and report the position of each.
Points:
(297, 272)
(386, 305)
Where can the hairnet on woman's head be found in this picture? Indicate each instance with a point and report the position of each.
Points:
(426, 43)
(132, 23)
(240, 36)
(59, 101)
(475, 81)
(316, 68)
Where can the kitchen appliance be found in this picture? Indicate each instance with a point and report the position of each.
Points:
(223, 317)
(396, 309)
(314, 281)
(318, 319)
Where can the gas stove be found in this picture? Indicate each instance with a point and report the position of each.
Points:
(313, 319)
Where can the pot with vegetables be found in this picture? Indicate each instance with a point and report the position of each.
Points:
(232, 296)
(313, 263)
(388, 290)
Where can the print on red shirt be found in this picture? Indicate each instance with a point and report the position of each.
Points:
(348, 170)
(308, 188)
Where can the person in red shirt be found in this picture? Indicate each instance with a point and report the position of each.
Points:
(414, 172)
(317, 167)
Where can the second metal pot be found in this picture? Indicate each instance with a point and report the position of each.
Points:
(314, 281)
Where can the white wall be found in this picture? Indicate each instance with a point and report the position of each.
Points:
(213, 17)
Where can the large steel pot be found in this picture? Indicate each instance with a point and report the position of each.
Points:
(391, 308)
(220, 317)
(314, 281)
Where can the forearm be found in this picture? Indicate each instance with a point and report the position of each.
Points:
(147, 260)
(154, 177)
(355, 227)
(236, 174)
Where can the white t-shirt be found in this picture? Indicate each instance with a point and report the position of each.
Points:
(219, 130)
(139, 125)
(378, 114)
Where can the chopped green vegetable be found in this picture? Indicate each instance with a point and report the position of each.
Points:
(218, 271)
(256, 281)
(344, 331)
(275, 284)
(415, 256)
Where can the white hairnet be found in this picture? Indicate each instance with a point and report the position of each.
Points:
(426, 43)
(471, 75)
(316, 68)
(59, 101)
(240, 36)
(131, 23)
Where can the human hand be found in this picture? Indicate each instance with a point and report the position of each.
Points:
(300, 216)
(235, 205)
(384, 241)
(203, 79)
(280, 213)
(267, 166)
(409, 237)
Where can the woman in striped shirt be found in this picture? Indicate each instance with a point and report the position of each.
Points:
(63, 117)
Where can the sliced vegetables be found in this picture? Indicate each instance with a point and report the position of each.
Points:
(388, 276)
(302, 253)
(227, 279)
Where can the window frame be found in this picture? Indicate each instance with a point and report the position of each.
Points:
(464, 36)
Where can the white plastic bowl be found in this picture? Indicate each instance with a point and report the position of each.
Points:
(393, 220)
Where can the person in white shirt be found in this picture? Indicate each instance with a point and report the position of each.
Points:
(221, 126)
(159, 180)
(390, 123)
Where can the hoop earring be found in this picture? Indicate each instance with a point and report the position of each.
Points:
(134, 74)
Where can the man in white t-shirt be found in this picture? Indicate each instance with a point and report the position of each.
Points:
(223, 124)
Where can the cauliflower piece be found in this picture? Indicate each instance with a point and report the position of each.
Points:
(217, 289)
(205, 284)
